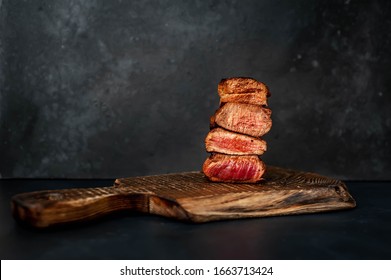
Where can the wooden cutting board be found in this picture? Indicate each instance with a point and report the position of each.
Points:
(188, 197)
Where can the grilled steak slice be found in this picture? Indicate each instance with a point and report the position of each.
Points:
(229, 168)
(226, 142)
(243, 90)
(243, 118)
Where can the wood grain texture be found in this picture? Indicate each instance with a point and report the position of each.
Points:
(189, 197)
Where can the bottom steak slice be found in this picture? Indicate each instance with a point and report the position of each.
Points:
(230, 168)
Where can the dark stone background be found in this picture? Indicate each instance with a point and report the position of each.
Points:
(124, 88)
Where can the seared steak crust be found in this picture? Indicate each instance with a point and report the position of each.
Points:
(243, 90)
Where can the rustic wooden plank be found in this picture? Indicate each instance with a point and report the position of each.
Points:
(187, 196)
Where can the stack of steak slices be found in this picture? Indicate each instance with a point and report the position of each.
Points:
(236, 130)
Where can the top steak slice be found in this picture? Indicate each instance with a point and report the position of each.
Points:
(229, 168)
(227, 142)
(243, 90)
(247, 119)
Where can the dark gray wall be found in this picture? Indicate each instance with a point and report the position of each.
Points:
(124, 88)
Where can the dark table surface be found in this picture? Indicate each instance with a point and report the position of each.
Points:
(361, 233)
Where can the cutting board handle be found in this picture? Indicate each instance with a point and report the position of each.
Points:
(53, 207)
